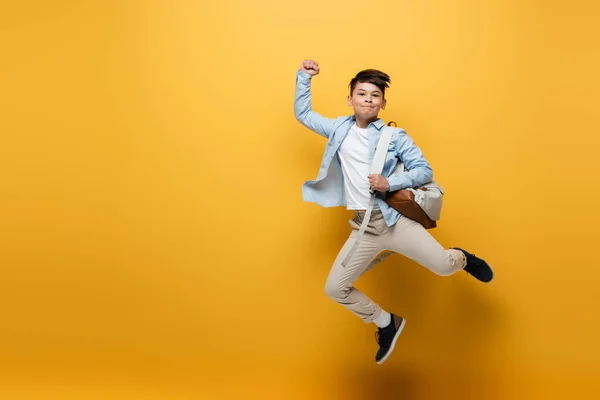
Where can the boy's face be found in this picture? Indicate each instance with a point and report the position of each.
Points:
(366, 100)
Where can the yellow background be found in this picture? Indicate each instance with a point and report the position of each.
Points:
(153, 239)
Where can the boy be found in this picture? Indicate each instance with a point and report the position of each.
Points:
(344, 180)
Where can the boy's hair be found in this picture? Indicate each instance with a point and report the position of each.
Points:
(374, 76)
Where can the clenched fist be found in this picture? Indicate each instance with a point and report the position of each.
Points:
(310, 67)
(379, 183)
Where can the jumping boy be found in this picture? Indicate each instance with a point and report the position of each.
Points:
(344, 180)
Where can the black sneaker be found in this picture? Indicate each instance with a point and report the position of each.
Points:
(477, 267)
(387, 337)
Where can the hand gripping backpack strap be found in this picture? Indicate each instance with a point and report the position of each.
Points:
(376, 168)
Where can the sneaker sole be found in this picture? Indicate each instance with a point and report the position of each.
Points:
(491, 279)
(480, 279)
(393, 342)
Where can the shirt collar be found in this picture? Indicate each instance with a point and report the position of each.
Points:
(378, 124)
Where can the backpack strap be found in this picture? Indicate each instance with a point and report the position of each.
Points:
(376, 168)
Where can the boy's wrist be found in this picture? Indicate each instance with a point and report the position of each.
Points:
(305, 74)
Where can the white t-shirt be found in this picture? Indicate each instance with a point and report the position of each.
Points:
(354, 157)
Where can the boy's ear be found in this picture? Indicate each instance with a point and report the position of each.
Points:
(383, 103)
(349, 101)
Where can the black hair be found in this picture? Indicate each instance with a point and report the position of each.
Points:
(374, 76)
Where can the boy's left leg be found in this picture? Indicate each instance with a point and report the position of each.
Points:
(410, 239)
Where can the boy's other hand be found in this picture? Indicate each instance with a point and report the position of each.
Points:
(379, 183)
(310, 67)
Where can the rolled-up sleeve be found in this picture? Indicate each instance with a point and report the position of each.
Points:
(303, 107)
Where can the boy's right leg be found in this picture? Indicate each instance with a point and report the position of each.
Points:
(341, 279)
(340, 283)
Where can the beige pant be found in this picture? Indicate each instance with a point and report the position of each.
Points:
(406, 237)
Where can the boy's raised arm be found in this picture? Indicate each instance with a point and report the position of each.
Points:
(302, 101)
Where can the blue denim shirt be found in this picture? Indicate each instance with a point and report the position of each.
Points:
(328, 189)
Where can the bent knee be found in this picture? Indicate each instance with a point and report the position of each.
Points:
(335, 290)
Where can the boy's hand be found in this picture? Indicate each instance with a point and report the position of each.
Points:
(310, 67)
(379, 183)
